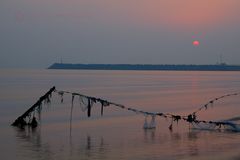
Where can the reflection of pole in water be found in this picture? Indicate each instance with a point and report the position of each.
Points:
(101, 147)
(151, 133)
(30, 140)
(71, 112)
(88, 143)
(192, 143)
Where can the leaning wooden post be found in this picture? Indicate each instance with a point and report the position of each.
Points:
(20, 121)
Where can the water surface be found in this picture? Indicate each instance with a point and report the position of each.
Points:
(118, 134)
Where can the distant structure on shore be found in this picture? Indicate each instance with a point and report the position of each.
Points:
(148, 67)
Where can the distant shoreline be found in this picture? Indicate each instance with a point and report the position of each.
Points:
(146, 67)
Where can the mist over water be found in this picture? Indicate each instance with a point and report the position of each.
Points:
(118, 134)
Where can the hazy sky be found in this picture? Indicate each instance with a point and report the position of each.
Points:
(37, 33)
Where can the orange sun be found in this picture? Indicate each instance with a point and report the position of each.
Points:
(196, 43)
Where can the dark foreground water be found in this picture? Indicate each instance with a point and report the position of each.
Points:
(118, 134)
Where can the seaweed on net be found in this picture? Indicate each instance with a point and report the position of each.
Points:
(153, 122)
(61, 93)
(29, 117)
(83, 103)
(103, 104)
(86, 103)
(47, 101)
(89, 107)
(151, 125)
(39, 111)
(203, 126)
(145, 125)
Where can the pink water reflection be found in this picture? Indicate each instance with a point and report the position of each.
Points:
(119, 134)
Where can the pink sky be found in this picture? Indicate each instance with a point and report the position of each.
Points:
(170, 13)
(180, 14)
(120, 31)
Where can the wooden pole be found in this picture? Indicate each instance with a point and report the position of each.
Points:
(20, 121)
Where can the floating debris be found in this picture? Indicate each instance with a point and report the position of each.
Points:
(87, 102)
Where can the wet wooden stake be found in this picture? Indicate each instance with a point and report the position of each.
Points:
(20, 121)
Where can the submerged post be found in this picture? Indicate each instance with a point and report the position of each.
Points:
(20, 121)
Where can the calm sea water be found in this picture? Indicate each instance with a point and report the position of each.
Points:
(118, 134)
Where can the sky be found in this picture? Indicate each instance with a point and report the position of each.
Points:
(37, 33)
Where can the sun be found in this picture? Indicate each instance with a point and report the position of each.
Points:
(196, 43)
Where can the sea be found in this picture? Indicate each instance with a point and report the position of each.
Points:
(118, 134)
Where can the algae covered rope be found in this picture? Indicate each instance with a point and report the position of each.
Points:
(20, 121)
(191, 118)
(211, 102)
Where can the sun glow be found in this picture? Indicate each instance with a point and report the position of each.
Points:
(184, 14)
(196, 43)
